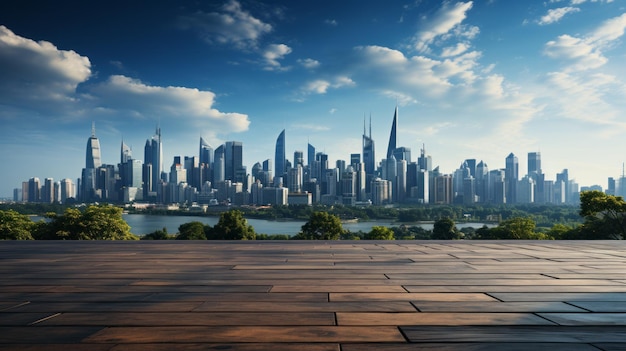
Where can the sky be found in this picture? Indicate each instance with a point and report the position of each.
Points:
(471, 79)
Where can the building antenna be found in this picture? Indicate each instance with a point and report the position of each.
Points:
(93, 129)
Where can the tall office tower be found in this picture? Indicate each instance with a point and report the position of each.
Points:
(443, 193)
(402, 153)
(349, 185)
(257, 168)
(381, 191)
(497, 186)
(369, 157)
(401, 180)
(411, 176)
(126, 153)
(153, 164)
(233, 159)
(361, 178)
(295, 179)
(206, 152)
(93, 158)
(610, 189)
(310, 154)
(423, 186)
(389, 172)
(219, 174)
(267, 167)
(280, 156)
(67, 190)
(425, 162)
(322, 158)
(298, 158)
(562, 181)
(526, 190)
(178, 173)
(482, 182)
(47, 191)
(206, 161)
(355, 159)
(393, 135)
(534, 163)
(469, 190)
(341, 165)
(459, 176)
(192, 166)
(471, 165)
(511, 174)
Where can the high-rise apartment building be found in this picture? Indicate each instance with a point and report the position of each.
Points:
(534, 163)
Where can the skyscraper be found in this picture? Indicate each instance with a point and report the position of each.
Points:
(392, 136)
(206, 152)
(280, 156)
(511, 175)
(369, 157)
(534, 163)
(310, 156)
(233, 159)
(153, 163)
(93, 158)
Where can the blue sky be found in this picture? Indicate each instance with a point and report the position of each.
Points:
(472, 79)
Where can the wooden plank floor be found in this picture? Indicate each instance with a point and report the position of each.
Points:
(304, 295)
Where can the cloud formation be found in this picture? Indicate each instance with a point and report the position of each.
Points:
(321, 86)
(272, 54)
(232, 25)
(555, 15)
(37, 73)
(132, 97)
(445, 21)
(586, 52)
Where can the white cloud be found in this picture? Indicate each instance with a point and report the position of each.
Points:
(232, 25)
(331, 22)
(272, 54)
(189, 105)
(455, 50)
(587, 52)
(38, 74)
(443, 22)
(555, 15)
(309, 63)
(321, 86)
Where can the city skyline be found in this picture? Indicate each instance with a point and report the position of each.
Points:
(471, 79)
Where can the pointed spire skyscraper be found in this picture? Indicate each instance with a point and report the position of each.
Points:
(392, 136)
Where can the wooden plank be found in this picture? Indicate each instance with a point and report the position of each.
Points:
(475, 318)
(303, 334)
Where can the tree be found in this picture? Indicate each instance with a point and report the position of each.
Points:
(605, 215)
(321, 226)
(191, 231)
(159, 234)
(380, 233)
(15, 226)
(231, 226)
(518, 228)
(94, 223)
(445, 229)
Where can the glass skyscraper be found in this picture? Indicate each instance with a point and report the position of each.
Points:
(280, 155)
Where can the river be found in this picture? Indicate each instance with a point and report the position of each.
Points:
(143, 224)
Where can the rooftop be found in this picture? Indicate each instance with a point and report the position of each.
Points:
(307, 295)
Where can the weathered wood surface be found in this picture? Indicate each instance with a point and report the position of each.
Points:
(297, 295)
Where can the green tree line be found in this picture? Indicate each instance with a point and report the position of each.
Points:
(604, 217)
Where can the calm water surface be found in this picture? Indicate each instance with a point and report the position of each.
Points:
(143, 224)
